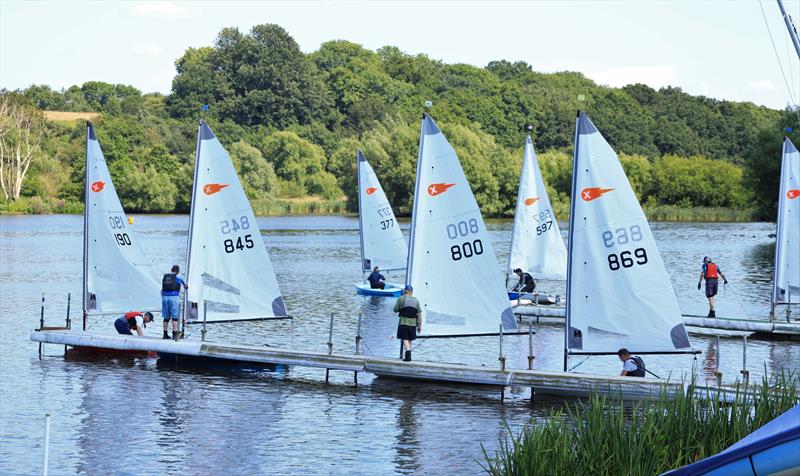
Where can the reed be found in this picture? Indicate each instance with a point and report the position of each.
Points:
(604, 435)
(699, 214)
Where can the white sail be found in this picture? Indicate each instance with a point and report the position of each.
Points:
(117, 275)
(786, 288)
(619, 292)
(228, 266)
(452, 266)
(536, 243)
(382, 242)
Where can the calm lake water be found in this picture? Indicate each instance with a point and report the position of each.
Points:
(132, 416)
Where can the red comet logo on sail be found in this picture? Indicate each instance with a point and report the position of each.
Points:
(212, 188)
(437, 188)
(591, 193)
(530, 201)
(371, 190)
(97, 186)
(790, 194)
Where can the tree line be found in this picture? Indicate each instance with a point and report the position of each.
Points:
(292, 123)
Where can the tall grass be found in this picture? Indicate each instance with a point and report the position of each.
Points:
(699, 214)
(604, 436)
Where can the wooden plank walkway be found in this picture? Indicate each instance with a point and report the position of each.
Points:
(542, 382)
(777, 328)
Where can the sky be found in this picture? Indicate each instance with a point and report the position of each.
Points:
(716, 48)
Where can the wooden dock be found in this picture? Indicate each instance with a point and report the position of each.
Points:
(777, 328)
(540, 381)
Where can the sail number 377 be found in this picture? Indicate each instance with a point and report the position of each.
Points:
(467, 249)
(233, 226)
(626, 258)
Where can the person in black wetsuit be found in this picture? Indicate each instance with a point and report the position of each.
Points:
(376, 279)
(526, 283)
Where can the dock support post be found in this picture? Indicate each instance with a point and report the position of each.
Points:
(530, 346)
(205, 313)
(41, 324)
(502, 364)
(745, 372)
(69, 301)
(330, 347)
(358, 347)
(717, 373)
(46, 443)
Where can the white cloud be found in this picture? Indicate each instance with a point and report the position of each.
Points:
(161, 10)
(762, 85)
(654, 76)
(146, 49)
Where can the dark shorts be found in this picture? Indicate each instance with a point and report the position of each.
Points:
(378, 285)
(406, 332)
(122, 327)
(712, 285)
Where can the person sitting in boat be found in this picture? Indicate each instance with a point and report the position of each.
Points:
(526, 283)
(170, 300)
(127, 322)
(410, 310)
(711, 273)
(376, 279)
(632, 366)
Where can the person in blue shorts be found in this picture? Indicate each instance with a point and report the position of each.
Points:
(127, 322)
(171, 300)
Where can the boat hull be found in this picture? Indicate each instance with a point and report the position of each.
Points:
(543, 299)
(391, 290)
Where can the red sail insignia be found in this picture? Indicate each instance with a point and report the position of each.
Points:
(790, 194)
(97, 186)
(591, 193)
(371, 190)
(437, 188)
(212, 188)
(530, 201)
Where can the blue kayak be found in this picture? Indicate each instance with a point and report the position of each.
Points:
(772, 449)
(391, 290)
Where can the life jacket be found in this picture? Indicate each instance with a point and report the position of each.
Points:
(410, 307)
(170, 282)
(712, 271)
(130, 319)
(639, 372)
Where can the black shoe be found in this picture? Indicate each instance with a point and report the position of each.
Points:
(176, 336)
(408, 356)
(166, 336)
(712, 314)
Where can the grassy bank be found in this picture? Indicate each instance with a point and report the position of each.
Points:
(280, 206)
(602, 436)
(699, 214)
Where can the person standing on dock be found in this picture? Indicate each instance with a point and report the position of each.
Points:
(631, 366)
(376, 279)
(410, 310)
(170, 300)
(711, 273)
(526, 283)
(127, 322)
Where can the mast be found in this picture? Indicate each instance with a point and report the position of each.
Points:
(85, 294)
(573, 196)
(191, 214)
(790, 26)
(411, 237)
(359, 158)
(528, 127)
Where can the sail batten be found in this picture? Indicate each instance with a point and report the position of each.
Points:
(229, 272)
(452, 265)
(536, 243)
(117, 275)
(382, 242)
(619, 291)
(786, 283)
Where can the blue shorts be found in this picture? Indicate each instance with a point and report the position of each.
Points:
(122, 327)
(170, 307)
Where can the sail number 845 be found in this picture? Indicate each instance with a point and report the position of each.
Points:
(234, 225)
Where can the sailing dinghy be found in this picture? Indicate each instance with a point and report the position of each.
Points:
(229, 274)
(382, 242)
(536, 243)
(620, 294)
(117, 277)
(786, 283)
(451, 263)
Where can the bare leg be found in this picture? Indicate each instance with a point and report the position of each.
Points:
(711, 302)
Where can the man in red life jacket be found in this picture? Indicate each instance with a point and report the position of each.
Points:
(711, 273)
(127, 322)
